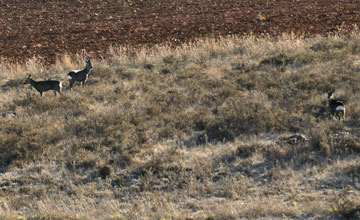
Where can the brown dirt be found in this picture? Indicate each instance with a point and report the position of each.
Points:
(49, 28)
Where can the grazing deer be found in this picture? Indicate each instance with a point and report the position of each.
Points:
(42, 86)
(79, 75)
(337, 108)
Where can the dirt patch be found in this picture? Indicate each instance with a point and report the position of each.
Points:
(48, 28)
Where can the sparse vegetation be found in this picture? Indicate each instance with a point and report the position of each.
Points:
(202, 131)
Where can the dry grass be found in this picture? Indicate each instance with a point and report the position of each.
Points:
(202, 131)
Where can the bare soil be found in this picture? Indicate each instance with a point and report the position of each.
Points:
(49, 28)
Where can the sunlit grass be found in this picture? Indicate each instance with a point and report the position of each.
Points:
(201, 131)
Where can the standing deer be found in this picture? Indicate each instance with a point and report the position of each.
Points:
(79, 75)
(42, 86)
(337, 108)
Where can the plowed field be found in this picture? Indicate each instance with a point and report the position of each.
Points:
(48, 28)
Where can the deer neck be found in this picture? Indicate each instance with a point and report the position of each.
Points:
(329, 98)
(87, 68)
(33, 82)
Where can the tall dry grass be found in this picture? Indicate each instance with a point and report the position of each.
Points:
(202, 131)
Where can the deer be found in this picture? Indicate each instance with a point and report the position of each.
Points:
(43, 86)
(79, 75)
(337, 108)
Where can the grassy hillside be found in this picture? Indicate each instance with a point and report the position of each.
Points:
(202, 131)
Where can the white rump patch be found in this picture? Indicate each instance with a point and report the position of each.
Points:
(60, 85)
(75, 71)
(340, 108)
(68, 76)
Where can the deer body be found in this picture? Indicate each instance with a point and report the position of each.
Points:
(337, 108)
(43, 86)
(79, 75)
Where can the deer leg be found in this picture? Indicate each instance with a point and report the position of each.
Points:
(55, 93)
(71, 84)
(83, 84)
(41, 94)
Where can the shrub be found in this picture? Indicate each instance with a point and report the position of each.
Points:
(105, 172)
(27, 141)
(248, 116)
